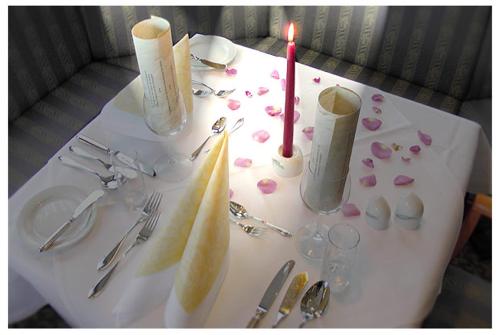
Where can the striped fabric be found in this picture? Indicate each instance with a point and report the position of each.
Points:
(480, 87)
(40, 131)
(47, 45)
(403, 42)
(109, 26)
(357, 73)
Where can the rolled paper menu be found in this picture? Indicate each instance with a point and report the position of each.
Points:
(184, 263)
(163, 104)
(334, 131)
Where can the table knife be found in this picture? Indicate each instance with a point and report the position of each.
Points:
(292, 295)
(93, 197)
(125, 159)
(271, 293)
(214, 65)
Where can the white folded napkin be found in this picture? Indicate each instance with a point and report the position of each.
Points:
(186, 258)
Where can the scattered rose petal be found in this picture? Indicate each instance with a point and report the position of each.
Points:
(243, 162)
(415, 149)
(230, 193)
(405, 159)
(350, 210)
(368, 162)
(248, 94)
(396, 147)
(283, 84)
(403, 180)
(296, 116)
(273, 110)
(378, 98)
(231, 71)
(371, 123)
(426, 139)
(368, 181)
(267, 186)
(308, 132)
(376, 110)
(380, 150)
(297, 100)
(317, 80)
(233, 104)
(275, 74)
(262, 90)
(261, 136)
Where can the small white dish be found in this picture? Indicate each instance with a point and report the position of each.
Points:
(378, 213)
(47, 211)
(409, 211)
(213, 48)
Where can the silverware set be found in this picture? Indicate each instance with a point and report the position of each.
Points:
(203, 90)
(313, 304)
(149, 217)
(240, 213)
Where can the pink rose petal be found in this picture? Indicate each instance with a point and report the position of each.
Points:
(248, 94)
(308, 132)
(297, 100)
(233, 104)
(262, 90)
(317, 80)
(283, 84)
(406, 159)
(376, 110)
(350, 210)
(275, 74)
(273, 110)
(368, 162)
(403, 180)
(231, 71)
(230, 193)
(243, 162)
(261, 136)
(380, 150)
(267, 186)
(415, 149)
(368, 181)
(426, 139)
(371, 123)
(378, 98)
(296, 116)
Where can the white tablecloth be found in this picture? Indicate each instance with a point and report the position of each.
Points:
(398, 273)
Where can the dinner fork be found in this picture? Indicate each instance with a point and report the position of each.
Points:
(143, 235)
(150, 207)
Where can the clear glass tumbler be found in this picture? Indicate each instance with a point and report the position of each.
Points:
(340, 255)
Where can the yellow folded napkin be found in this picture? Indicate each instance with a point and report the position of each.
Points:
(188, 252)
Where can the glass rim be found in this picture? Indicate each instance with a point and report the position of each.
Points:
(353, 230)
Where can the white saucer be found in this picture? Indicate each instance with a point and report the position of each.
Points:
(213, 48)
(47, 211)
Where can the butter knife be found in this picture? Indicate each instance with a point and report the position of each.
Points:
(93, 197)
(292, 295)
(217, 66)
(271, 293)
(127, 160)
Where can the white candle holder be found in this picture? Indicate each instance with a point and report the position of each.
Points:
(288, 167)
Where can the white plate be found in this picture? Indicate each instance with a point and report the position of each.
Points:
(47, 211)
(213, 48)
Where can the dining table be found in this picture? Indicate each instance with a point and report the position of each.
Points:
(397, 274)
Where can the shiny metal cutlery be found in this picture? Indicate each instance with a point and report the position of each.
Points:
(240, 212)
(315, 301)
(86, 203)
(214, 65)
(142, 237)
(206, 90)
(250, 229)
(292, 295)
(217, 128)
(237, 125)
(271, 293)
(125, 159)
(151, 206)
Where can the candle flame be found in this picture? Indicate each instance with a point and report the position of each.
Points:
(291, 32)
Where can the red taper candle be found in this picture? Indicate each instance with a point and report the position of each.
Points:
(289, 96)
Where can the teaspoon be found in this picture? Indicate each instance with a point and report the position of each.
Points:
(217, 128)
(240, 212)
(314, 302)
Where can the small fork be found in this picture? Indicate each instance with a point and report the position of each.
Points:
(150, 207)
(142, 237)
